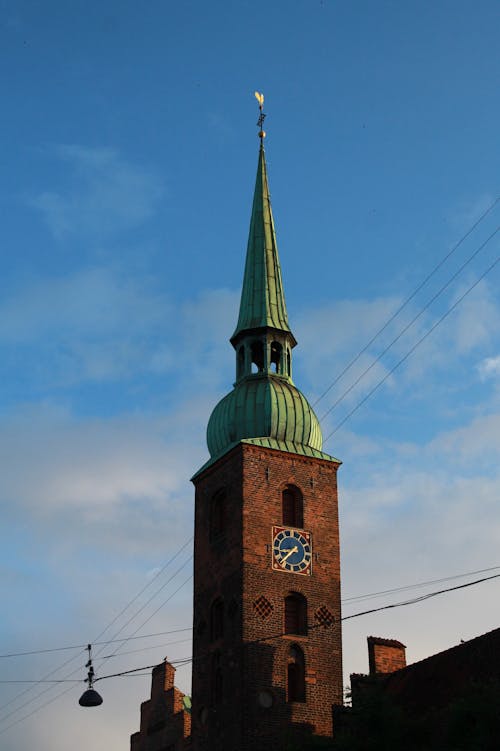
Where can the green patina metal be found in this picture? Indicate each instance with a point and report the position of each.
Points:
(264, 408)
(262, 296)
(271, 443)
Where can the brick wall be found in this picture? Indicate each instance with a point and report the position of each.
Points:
(164, 722)
(239, 570)
(446, 676)
(385, 655)
(426, 689)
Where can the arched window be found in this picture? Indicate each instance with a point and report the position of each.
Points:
(257, 350)
(288, 363)
(296, 675)
(217, 619)
(276, 350)
(292, 507)
(218, 516)
(217, 678)
(295, 614)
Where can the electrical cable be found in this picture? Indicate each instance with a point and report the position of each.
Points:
(415, 586)
(21, 719)
(407, 300)
(158, 608)
(409, 325)
(41, 680)
(344, 600)
(411, 350)
(411, 601)
(148, 649)
(146, 586)
(72, 659)
(421, 598)
(48, 675)
(355, 615)
(95, 643)
(27, 690)
(187, 660)
(329, 436)
(155, 594)
(37, 709)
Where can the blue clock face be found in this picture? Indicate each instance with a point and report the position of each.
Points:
(292, 550)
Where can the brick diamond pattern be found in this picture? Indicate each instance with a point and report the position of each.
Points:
(323, 617)
(263, 607)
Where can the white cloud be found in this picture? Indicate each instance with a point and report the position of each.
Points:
(465, 215)
(106, 194)
(98, 325)
(92, 301)
(93, 479)
(408, 516)
(435, 370)
(489, 368)
(112, 494)
(333, 335)
(476, 321)
(92, 507)
(478, 440)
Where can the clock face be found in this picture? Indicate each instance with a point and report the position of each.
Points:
(292, 550)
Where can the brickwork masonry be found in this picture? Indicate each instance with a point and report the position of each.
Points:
(253, 652)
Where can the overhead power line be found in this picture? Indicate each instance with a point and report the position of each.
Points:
(41, 693)
(354, 598)
(156, 611)
(412, 349)
(41, 680)
(412, 601)
(410, 324)
(420, 598)
(146, 586)
(95, 643)
(370, 595)
(54, 698)
(37, 709)
(187, 660)
(151, 647)
(153, 596)
(407, 300)
(74, 657)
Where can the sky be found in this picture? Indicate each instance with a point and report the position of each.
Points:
(128, 164)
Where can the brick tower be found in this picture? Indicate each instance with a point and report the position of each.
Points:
(267, 663)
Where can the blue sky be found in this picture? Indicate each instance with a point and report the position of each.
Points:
(129, 159)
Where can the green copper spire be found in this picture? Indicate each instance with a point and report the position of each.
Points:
(265, 407)
(262, 297)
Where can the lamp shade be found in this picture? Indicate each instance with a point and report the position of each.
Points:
(90, 698)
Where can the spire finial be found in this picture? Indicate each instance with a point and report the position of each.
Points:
(260, 122)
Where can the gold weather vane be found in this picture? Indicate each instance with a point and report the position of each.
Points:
(260, 122)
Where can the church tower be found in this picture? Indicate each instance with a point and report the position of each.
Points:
(267, 662)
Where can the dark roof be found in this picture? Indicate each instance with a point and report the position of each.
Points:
(385, 642)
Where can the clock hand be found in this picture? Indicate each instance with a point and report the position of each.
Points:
(292, 550)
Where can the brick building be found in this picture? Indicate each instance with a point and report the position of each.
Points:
(267, 652)
(267, 640)
(447, 701)
(434, 683)
(165, 721)
(267, 658)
